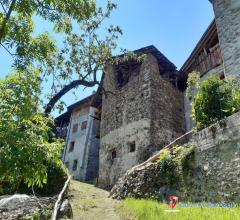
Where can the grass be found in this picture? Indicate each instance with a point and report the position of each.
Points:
(91, 203)
(132, 209)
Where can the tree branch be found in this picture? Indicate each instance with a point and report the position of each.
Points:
(8, 50)
(66, 89)
(3, 25)
(3, 8)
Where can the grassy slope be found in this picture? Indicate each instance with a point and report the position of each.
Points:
(91, 203)
(150, 210)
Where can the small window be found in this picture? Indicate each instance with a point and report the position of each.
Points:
(75, 128)
(222, 76)
(114, 154)
(75, 162)
(67, 164)
(77, 112)
(84, 125)
(71, 147)
(132, 147)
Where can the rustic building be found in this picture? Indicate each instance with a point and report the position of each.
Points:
(206, 59)
(80, 127)
(144, 112)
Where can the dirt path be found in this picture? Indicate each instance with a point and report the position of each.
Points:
(91, 203)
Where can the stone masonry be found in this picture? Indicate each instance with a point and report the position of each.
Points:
(227, 15)
(213, 174)
(144, 114)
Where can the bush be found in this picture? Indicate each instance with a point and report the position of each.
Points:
(56, 177)
(215, 99)
(174, 163)
(167, 167)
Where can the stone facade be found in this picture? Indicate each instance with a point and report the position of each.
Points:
(218, 156)
(227, 15)
(213, 171)
(144, 114)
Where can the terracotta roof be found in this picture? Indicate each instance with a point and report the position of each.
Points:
(67, 114)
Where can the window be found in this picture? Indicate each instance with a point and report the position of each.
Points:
(222, 76)
(77, 112)
(67, 164)
(84, 125)
(132, 146)
(75, 128)
(71, 147)
(74, 167)
(114, 154)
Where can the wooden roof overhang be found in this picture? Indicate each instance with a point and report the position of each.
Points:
(205, 39)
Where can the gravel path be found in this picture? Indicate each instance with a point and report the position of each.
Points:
(91, 203)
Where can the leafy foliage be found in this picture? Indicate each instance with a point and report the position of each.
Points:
(17, 27)
(215, 99)
(192, 83)
(173, 163)
(27, 143)
(167, 166)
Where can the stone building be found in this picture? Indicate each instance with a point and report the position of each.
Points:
(79, 126)
(147, 107)
(143, 113)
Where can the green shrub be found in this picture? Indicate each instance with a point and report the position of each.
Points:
(174, 163)
(215, 99)
(56, 177)
(167, 166)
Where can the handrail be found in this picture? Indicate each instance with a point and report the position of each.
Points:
(57, 203)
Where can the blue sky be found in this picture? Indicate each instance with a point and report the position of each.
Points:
(173, 26)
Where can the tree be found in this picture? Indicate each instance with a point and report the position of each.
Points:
(27, 144)
(17, 26)
(84, 54)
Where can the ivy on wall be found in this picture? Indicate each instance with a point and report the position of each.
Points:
(175, 162)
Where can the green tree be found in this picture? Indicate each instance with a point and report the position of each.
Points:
(17, 26)
(27, 144)
(85, 52)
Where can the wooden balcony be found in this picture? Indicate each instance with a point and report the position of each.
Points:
(208, 61)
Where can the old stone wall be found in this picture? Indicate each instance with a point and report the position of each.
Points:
(125, 118)
(146, 112)
(218, 156)
(166, 108)
(213, 171)
(227, 13)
